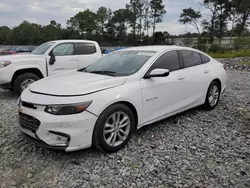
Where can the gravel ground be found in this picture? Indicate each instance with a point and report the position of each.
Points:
(193, 149)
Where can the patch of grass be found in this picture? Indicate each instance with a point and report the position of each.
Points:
(231, 54)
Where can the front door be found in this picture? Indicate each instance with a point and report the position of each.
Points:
(65, 59)
(163, 95)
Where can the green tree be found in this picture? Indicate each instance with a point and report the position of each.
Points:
(223, 11)
(70, 33)
(85, 22)
(141, 8)
(239, 32)
(110, 27)
(132, 7)
(5, 35)
(190, 16)
(147, 21)
(242, 8)
(53, 31)
(27, 33)
(102, 16)
(157, 12)
(209, 25)
(120, 18)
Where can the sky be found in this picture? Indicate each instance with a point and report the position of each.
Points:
(13, 12)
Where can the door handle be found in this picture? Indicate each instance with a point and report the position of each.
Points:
(206, 71)
(181, 78)
(73, 59)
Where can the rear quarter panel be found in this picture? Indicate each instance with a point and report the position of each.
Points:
(218, 72)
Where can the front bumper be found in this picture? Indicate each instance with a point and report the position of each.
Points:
(5, 75)
(70, 132)
(42, 144)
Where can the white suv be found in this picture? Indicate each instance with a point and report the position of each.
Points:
(18, 71)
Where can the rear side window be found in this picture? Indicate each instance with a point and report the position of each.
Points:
(191, 58)
(85, 48)
(204, 58)
(169, 60)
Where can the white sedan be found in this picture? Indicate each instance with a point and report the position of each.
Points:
(104, 103)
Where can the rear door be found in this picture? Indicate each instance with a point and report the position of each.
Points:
(87, 53)
(66, 59)
(196, 75)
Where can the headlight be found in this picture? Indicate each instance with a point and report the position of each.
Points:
(4, 63)
(67, 109)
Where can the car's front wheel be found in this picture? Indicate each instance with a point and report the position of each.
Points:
(113, 128)
(213, 96)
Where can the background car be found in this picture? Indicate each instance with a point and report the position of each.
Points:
(103, 104)
(54, 57)
(7, 53)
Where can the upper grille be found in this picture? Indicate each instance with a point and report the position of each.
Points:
(28, 122)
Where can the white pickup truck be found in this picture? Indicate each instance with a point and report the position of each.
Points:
(17, 72)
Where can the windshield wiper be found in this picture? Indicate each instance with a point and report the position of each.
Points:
(110, 73)
(82, 70)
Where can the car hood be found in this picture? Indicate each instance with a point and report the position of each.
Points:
(21, 57)
(75, 83)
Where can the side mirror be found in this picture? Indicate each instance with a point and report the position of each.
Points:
(157, 73)
(52, 58)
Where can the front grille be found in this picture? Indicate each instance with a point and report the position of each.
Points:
(28, 122)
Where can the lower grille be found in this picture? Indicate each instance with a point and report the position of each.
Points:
(29, 122)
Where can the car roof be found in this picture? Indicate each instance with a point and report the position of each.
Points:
(72, 40)
(158, 48)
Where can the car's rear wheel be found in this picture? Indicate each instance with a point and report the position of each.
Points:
(113, 128)
(23, 81)
(213, 96)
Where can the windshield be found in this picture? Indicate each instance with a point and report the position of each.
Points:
(120, 63)
(40, 50)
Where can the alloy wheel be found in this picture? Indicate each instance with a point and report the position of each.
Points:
(116, 129)
(213, 95)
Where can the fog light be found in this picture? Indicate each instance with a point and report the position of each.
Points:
(61, 138)
(58, 138)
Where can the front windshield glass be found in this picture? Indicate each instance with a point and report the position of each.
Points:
(120, 63)
(40, 50)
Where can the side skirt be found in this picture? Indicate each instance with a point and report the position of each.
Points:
(166, 116)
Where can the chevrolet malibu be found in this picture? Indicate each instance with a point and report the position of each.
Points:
(103, 104)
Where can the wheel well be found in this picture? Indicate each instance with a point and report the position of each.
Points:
(218, 81)
(23, 71)
(133, 109)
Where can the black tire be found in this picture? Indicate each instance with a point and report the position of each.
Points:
(207, 106)
(98, 138)
(21, 78)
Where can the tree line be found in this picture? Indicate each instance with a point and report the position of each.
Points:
(133, 24)
(221, 12)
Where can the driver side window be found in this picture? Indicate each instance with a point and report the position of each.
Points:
(169, 60)
(64, 49)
